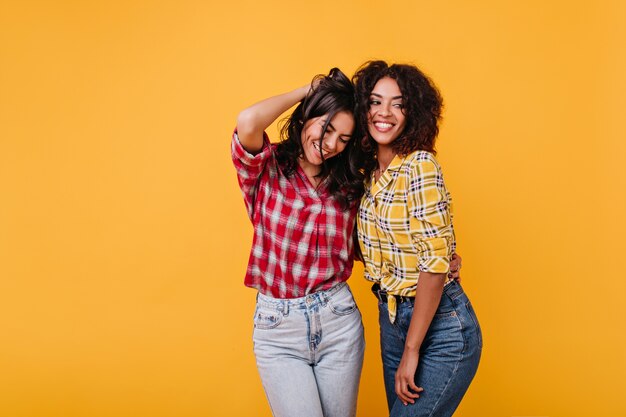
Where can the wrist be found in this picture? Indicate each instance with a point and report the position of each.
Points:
(411, 347)
(303, 91)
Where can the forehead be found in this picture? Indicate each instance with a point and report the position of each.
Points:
(343, 121)
(387, 87)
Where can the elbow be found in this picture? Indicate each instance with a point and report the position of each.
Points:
(247, 122)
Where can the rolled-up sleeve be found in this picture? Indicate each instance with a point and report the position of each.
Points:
(250, 168)
(431, 218)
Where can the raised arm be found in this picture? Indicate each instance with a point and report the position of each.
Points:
(252, 121)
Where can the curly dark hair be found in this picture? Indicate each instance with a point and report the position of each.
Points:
(331, 94)
(422, 107)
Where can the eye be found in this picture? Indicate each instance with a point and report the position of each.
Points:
(344, 140)
(374, 102)
(398, 105)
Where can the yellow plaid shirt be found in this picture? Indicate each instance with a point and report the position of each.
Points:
(405, 225)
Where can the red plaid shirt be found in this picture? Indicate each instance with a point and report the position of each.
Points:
(302, 238)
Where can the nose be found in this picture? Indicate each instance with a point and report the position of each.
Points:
(330, 142)
(385, 110)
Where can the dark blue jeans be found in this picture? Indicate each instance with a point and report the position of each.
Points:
(449, 354)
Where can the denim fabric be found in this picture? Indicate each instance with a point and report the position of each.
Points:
(449, 354)
(309, 352)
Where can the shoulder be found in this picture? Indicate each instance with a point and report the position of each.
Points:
(421, 163)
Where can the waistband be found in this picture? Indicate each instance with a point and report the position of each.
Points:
(382, 295)
(452, 289)
(308, 301)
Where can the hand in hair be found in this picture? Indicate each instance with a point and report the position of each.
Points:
(252, 121)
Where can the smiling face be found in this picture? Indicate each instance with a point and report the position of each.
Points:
(385, 118)
(336, 137)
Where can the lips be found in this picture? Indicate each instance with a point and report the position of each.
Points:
(316, 145)
(383, 127)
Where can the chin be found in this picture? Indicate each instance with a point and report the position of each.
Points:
(384, 140)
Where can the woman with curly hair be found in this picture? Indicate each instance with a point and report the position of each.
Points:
(302, 195)
(430, 337)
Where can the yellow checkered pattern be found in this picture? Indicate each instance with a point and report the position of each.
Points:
(405, 225)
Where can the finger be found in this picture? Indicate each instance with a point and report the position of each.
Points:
(410, 395)
(403, 389)
(399, 393)
(406, 398)
(415, 389)
(403, 393)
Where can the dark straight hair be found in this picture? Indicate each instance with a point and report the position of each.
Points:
(331, 94)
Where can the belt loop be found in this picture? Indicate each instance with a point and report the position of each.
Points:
(453, 290)
(285, 305)
(325, 297)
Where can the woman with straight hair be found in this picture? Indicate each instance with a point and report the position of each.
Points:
(301, 196)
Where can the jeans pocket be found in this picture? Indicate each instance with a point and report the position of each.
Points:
(472, 315)
(266, 319)
(444, 314)
(342, 303)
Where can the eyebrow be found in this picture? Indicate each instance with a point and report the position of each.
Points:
(330, 125)
(378, 95)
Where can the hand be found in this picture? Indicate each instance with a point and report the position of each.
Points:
(316, 81)
(308, 88)
(455, 267)
(405, 377)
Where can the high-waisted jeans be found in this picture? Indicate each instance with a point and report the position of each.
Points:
(309, 352)
(448, 359)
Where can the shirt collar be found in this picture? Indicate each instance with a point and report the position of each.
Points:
(396, 163)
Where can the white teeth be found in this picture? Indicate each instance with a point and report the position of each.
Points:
(383, 125)
(317, 146)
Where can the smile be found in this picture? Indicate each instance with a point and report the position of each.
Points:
(383, 126)
(316, 145)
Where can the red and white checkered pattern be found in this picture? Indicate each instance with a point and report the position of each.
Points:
(302, 237)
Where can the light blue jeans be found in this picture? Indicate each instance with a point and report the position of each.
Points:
(449, 354)
(309, 352)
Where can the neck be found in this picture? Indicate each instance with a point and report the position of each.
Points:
(385, 155)
(310, 170)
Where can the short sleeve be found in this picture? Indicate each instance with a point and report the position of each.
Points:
(250, 168)
(242, 157)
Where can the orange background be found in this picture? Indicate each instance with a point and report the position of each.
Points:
(124, 238)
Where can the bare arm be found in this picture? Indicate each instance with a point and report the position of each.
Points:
(427, 298)
(252, 121)
(431, 226)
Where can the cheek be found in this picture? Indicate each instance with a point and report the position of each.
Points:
(306, 135)
(401, 116)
